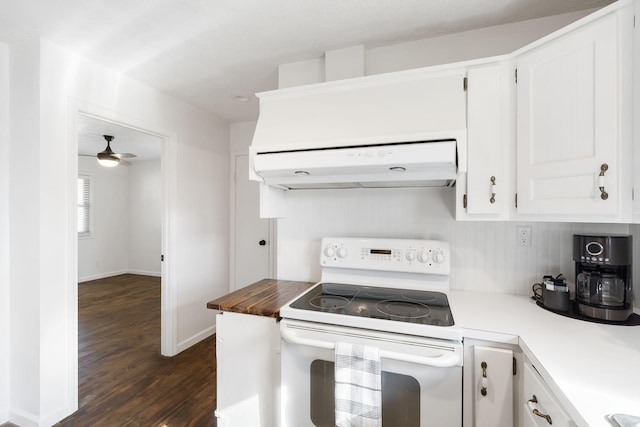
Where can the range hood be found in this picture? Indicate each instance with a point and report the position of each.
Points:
(415, 164)
(405, 129)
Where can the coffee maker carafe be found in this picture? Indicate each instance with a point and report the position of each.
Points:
(603, 276)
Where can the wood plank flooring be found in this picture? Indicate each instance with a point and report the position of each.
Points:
(123, 379)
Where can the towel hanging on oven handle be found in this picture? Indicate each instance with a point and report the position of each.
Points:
(441, 361)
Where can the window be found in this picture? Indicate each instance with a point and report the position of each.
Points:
(84, 206)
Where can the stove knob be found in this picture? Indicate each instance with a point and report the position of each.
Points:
(342, 252)
(329, 251)
(423, 256)
(438, 257)
(411, 256)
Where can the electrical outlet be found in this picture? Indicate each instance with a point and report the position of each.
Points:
(524, 236)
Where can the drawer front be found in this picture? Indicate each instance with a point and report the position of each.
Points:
(547, 404)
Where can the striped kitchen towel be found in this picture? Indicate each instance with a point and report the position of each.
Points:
(358, 386)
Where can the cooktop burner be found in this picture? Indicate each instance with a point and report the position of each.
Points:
(423, 307)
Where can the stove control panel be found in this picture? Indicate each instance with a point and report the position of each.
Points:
(403, 255)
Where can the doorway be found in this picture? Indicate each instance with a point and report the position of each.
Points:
(120, 207)
(167, 141)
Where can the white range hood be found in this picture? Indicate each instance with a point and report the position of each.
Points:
(393, 130)
(415, 164)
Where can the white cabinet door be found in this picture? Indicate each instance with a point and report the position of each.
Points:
(485, 191)
(568, 99)
(540, 407)
(248, 370)
(493, 387)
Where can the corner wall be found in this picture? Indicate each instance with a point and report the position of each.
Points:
(145, 218)
(126, 220)
(104, 253)
(51, 85)
(4, 232)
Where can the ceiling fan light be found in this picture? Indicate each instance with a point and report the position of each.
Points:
(109, 161)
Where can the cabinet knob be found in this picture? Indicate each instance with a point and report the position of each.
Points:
(603, 194)
(262, 242)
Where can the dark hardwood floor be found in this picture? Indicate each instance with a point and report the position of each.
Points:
(123, 379)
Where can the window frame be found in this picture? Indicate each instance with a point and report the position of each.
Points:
(88, 206)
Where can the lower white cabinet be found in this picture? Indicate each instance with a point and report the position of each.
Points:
(540, 408)
(490, 384)
(248, 370)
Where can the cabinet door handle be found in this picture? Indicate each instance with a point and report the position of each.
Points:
(531, 403)
(603, 194)
(483, 380)
(493, 190)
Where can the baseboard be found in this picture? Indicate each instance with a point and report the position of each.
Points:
(194, 339)
(58, 416)
(117, 273)
(145, 273)
(101, 275)
(23, 418)
(27, 419)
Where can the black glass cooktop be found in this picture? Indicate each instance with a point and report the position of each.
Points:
(424, 307)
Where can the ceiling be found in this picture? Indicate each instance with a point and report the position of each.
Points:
(206, 52)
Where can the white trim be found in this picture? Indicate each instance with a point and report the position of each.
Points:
(23, 418)
(194, 339)
(169, 301)
(72, 262)
(145, 273)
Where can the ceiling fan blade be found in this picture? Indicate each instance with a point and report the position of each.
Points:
(125, 163)
(124, 155)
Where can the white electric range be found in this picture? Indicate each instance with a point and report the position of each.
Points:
(387, 293)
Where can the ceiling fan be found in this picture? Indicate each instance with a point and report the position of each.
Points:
(110, 159)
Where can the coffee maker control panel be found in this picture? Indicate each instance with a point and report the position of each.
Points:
(601, 250)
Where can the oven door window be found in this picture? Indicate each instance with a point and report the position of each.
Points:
(400, 397)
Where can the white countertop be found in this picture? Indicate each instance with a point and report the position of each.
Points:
(593, 369)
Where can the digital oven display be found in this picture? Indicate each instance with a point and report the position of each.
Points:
(380, 252)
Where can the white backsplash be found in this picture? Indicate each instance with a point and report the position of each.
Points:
(485, 255)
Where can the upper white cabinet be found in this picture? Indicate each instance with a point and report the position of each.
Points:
(484, 192)
(574, 122)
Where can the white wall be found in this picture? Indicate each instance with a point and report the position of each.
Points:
(49, 84)
(145, 218)
(4, 231)
(467, 45)
(105, 253)
(485, 255)
(473, 44)
(126, 220)
(25, 247)
(240, 135)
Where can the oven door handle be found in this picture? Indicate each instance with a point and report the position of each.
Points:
(445, 360)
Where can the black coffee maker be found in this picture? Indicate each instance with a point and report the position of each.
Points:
(603, 276)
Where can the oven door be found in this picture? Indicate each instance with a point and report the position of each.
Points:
(421, 377)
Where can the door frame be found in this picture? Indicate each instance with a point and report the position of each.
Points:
(272, 230)
(168, 165)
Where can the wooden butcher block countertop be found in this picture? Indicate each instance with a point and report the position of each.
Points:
(263, 298)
